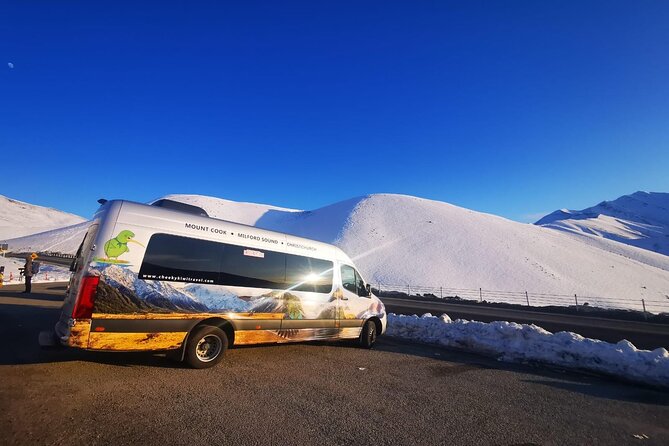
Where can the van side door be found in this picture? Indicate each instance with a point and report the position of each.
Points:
(355, 301)
(307, 300)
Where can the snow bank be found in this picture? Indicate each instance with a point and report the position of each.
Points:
(509, 341)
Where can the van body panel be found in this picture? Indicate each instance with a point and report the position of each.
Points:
(162, 272)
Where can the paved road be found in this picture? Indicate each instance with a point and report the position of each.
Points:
(313, 393)
(641, 334)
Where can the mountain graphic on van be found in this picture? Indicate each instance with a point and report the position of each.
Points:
(279, 302)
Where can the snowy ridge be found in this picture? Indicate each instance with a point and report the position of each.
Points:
(509, 341)
(640, 219)
(18, 218)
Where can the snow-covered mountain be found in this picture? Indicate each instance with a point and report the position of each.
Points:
(398, 239)
(18, 218)
(640, 219)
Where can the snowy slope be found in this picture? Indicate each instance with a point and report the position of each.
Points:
(397, 239)
(640, 219)
(18, 218)
(65, 240)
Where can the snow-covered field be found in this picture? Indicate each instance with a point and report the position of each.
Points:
(400, 240)
(48, 273)
(509, 341)
(18, 218)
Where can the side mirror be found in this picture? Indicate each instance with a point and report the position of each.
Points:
(368, 287)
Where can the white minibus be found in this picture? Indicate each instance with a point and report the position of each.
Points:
(168, 277)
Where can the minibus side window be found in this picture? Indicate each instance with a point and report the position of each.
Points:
(308, 274)
(251, 267)
(181, 259)
(348, 279)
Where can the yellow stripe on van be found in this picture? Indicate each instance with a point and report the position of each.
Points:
(135, 341)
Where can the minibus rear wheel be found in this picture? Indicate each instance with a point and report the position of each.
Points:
(368, 334)
(205, 347)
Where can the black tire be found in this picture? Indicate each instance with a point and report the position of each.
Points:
(368, 335)
(205, 347)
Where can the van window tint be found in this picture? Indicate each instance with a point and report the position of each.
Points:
(348, 279)
(252, 267)
(181, 259)
(307, 274)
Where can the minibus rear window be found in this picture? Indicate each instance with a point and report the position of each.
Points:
(181, 259)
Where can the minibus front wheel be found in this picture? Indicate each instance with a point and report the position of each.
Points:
(205, 347)
(368, 334)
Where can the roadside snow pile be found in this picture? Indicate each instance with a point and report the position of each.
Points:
(509, 341)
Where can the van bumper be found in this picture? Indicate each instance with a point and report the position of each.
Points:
(73, 332)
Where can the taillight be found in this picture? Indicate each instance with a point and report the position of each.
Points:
(83, 307)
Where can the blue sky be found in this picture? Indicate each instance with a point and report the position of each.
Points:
(514, 108)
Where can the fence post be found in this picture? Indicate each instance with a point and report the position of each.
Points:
(645, 315)
(576, 299)
(441, 292)
(527, 297)
(408, 290)
(480, 295)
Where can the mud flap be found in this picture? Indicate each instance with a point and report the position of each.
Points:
(48, 340)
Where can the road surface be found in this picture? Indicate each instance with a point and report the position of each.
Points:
(311, 393)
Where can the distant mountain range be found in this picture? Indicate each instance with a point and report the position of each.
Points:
(640, 219)
(400, 240)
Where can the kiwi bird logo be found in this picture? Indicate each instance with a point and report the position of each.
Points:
(119, 244)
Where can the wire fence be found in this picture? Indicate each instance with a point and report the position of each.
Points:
(527, 298)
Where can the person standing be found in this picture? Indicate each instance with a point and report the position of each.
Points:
(28, 272)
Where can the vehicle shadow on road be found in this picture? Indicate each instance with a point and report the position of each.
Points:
(609, 388)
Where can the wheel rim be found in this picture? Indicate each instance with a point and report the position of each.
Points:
(208, 348)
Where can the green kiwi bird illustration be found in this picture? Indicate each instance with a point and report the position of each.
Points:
(119, 244)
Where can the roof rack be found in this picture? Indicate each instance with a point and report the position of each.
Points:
(181, 207)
